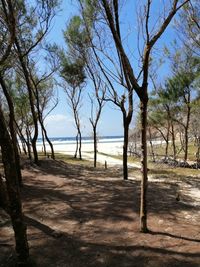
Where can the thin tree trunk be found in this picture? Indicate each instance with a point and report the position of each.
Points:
(125, 148)
(186, 129)
(31, 100)
(167, 140)
(19, 149)
(43, 143)
(47, 138)
(15, 206)
(95, 146)
(173, 141)
(182, 139)
(23, 146)
(4, 203)
(42, 122)
(28, 144)
(198, 151)
(151, 144)
(22, 138)
(76, 151)
(144, 183)
(80, 144)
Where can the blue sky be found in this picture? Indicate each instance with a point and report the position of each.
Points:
(60, 122)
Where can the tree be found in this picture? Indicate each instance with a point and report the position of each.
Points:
(43, 91)
(8, 153)
(23, 116)
(32, 25)
(140, 86)
(12, 125)
(15, 207)
(73, 74)
(162, 110)
(182, 87)
(118, 88)
(188, 26)
(96, 110)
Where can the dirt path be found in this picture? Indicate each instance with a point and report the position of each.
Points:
(78, 216)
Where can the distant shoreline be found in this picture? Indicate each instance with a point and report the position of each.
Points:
(85, 139)
(108, 145)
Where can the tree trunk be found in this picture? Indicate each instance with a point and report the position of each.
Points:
(4, 203)
(167, 140)
(28, 143)
(173, 141)
(43, 143)
(15, 206)
(125, 147)
(186, 131)
(198, 151)
(76, 151)
(80, 144)
(95, 146)
(12, 127)
(47, 138)
(44, 132)
(31, 100)
(151, 144)
(22, 138)
(144, 182)
(23, 146)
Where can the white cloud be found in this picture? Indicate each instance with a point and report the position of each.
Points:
(60, 125)
(58, 118)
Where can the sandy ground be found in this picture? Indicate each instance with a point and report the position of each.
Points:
(78, 216)
(110, 148)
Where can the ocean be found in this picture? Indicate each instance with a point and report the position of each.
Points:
(85, 140)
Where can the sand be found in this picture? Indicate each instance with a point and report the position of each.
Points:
(111, 148)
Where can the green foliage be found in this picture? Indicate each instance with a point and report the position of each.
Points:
(184, 80)
(76, 37)
(90, 11)
(73, 72)
(73, 62)
(188, 24)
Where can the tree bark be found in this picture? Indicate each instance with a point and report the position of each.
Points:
(167, 140)
(43, 142)
(95, 145)
(12, 127)
(144, 182)
(125, 148)
(198, 151)
(3, 196)
(186, 129)
(47, 138)
(80, 144)
(15, 206)
(76, 151)
(173, 141)
(28, 143)
(151, 144)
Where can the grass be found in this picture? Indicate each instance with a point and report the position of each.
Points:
(160, 151)
(157, 169)
(66, 158)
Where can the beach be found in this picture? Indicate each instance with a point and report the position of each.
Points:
(112, 146)
(106, 146)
